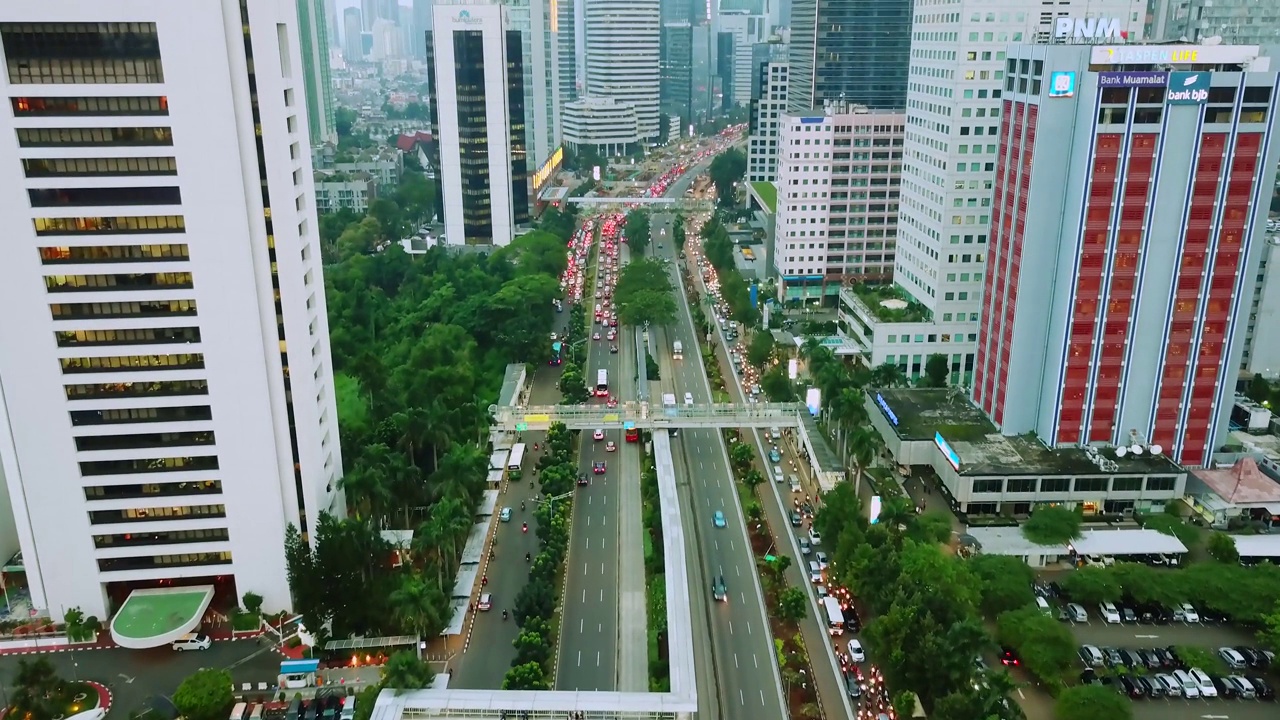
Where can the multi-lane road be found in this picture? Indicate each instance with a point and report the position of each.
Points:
(746, 681)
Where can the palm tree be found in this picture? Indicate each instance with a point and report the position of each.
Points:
(404, 671)
(454, 523)
(414, 427)
(418, 606)
(38, 690)
(427, 546)
(864, 444)
(368, 490)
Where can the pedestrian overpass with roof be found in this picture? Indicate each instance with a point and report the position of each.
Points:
(647, 416)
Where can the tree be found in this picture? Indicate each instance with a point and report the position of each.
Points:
(726, 169)
(404, 670)
(252, 602)
(1005, 583)
(1222, 547)
(531, 647)
(740, 454)
(1052, 525)
(637, 230)
(645, 294)
(678, 232)
(793, 604)
(1092, 584)
(205, 695)
(416, 605)
(38, 691)
(760, 351)
(1269, 635)
(1046, 646)
(573, 386)
(1092, 702)
(528, 676)
(937, 370)
(776, 385)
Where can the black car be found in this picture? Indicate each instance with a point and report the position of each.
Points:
(1255, 657)
(582, 479)
(853, 686)
(1263, 688)
(1167, 659)
(1151, 686)
(1088, 677)
(1130, 687)
(1111, 657)
(1225, 689)
(1151, 659)
(1008, 656)
(1127, 615)
(613, 349)
(795, 519)
(719, 590)
(1133, 659)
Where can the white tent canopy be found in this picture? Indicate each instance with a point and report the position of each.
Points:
(1254, 546)
(1127, 542)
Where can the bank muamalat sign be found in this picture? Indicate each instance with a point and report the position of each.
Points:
(1068, 28)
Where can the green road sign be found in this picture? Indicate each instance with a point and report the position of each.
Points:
(770, 558)
(521, 427)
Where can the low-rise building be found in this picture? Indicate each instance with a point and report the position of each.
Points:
(889, 326)
(986, 473)
(344, 191)
(603, 124)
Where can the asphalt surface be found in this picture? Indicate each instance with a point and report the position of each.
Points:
(588, 648)
(135, 675)
(746, 681)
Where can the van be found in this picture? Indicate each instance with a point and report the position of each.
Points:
(775, 434)
(238, 711)
(256, 712)
(192, 641)
(1077, 612)
(795, 483)
(1190, 688)
(1043, 605)
(1092, 655)
(688, 398)
(815, 572)
(349, 708)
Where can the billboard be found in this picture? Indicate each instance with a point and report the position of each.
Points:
(1131, 79)
(947, 452)
(1188, 88)
(813, 400)
(1062, 84)
(874, 507)
(544, 173)
(1089, 29)
(1172, 54)
(884, 406)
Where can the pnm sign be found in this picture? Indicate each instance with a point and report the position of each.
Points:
(1088, 29)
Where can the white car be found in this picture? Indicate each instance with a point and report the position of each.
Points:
(815, 537)
(597, 435)
(1190, 688)
(1186, 613)
(1205, 683)
(192, 641)
(486, 602)
(856, 653)
(821, 557)
(1109, 613)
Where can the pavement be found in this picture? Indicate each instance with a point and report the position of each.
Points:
(132, 676)
(739, 651)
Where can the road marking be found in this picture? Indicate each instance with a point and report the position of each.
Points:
(748, 627)
(756, 661)
(737, 570)
(579, 658)
(742, 699)
(1024, 697)
(597, 658)
(604, 520)
(588, 539)
(584, 600)
(735, 661)
(582, 623)
(731, 546)
(704, 482)
(701, 466)
(1147, 636)
(584, 568)
(717, 482)
(762, 697)
(602, 572)
(730, 627)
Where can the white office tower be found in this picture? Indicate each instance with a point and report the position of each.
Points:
(534, 20)
(953, 127)
(747, 30)
(623, 57)
(476, 80)
(768, 104)
(166, 390)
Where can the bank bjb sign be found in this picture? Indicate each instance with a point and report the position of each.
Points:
(1088, 29)
(1188, 88)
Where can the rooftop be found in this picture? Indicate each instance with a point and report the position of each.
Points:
(158, 616)
(1241, 484)
(981, 448)
(768, 194)
(1127, 541)
(1011, 541)
(890, 303)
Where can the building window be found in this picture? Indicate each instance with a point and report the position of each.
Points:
(153, 308)
(132, 363)
(1091, 485)
(1055, 485)
(1021, 485)
(110, 225)
(58, 255)
(81, 53)
(130, 515)
(189, 413)
(166, 388)
(89, 443)
(88, 106)
(148, 465)
(99, 167)
(1126, 484)
(173, 537)
(94, 137)
(104, 196)
(133, 336)
(988, 485)
(131, 281)
(123, 564)
(1162, 483)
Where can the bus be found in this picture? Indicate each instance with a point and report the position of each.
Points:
(557, 353)
(602, 383)
(516, 458)
(835, 616)
(633, 434)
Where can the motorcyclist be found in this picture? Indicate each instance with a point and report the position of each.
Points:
(521, 505)
(526, 557)
(524, 527)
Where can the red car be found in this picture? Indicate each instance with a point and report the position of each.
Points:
(598, 467)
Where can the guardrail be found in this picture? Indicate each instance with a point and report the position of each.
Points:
(646, 415)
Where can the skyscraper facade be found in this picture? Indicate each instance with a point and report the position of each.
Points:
(476, 81)
(166, 392)
(745, 32)
(768, 105)
(1132, 189)
(677, 71)
(421, 26)
(852, 50)
(352, 29)
(622, 42)
(313, 32)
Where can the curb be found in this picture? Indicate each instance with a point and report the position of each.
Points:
(102, 689)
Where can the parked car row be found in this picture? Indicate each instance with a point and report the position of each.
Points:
(1192, 683)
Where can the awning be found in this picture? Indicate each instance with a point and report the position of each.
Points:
(295, 667)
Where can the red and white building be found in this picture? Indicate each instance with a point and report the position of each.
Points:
(1131, 194)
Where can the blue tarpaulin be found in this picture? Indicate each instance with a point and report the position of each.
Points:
(293, 667)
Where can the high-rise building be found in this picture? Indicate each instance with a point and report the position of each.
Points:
(1129, 210)
(852, 50)
(948, 173)
(622, 50)
(386, 40)
(1252, 22)
(534, 20)
(837, 209)
(314, 36)
(564, 30)
(166, 393)
(677, 71)
(352, 29)
(476, 82)
(369, 13)
(745, 32)
(603, 125)
(421, 26)
(333, 21)
(768, 105)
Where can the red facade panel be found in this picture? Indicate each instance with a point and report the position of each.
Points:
(995, 286)
(1013, 251)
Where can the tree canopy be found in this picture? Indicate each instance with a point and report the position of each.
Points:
(1052, 525)
(637, 230)
(645, 293)
(205, 695)
(726, 169)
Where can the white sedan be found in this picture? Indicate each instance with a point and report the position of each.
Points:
(597, 435)
(856, 653)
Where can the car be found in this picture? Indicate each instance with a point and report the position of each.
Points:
(505, 515)
(777, 474)
(1130, 688)
(796, 520)
(192, 641)
(1205, 682)
(1111, 657)
(1091, 656)
(856, 653)
(853, 686)
(815, 573)
(486, 602)
(717, 519)
(610, 446)
(1171, 687)
(613, 349)
(595, 336)
(1232, 658)
(598, 467)
(1262, 688)
(805, 546)
(775, 456)
(1008, 657)
(1190, 688)
(1223, 688)
(597, 435)
(613, 403)
(1186, 613)
(1127, 615)
(821, 557)
(1151, 686)
(583, 479)
(1254, 657)
(1242, 687)
(719, 590)
(1077, 612)
(1132, 659)
(1109, 613)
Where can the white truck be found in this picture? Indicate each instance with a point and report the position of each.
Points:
(669, 401)
(677, 350)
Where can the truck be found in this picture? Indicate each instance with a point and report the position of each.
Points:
(835, 615)
(669, 401)
(677, 350)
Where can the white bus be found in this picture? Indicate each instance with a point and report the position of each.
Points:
(835, 616)
(516, 459)
(602, 383)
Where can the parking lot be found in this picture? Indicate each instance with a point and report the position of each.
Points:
(135, 675)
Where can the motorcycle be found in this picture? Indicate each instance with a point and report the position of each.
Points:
(526, 557)
(521, 506)
(504, 614)
(524, 527)
(484, 581)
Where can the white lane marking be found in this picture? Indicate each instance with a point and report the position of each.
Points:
(602, 572)
(579, 658)
(584, 600)
(604, 520)
(597, 658)
(735, 661)
(730, 627)
(756, 661)
(703, 467)
(732, 546)
(708, 502)
(582, 623)
(588, 539)
(717, 482)
(584, 568)
(762, 697)
(748, 627)
(743, 596)
(737, 570)
(742, 699)
(704, 482)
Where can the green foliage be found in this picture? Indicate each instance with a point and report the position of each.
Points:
(1093, 584)
(636, 231)
(252, 602)
(937, 369)
(727, 168)
(1052, 525)
(1046, 646)
(529, 676)
(718, 248)
(1246, 594)
(1202, 658)
(573, 385)
(776, 385)
(38, 691)
(404, 670)
(760, 350)
(365, 700)
(793, 604)
(1005, 583)
(205, 695)
(1269, 634)
(532, 647)
(1170, 524)
(1092, 702)
(645, 293)
(1222, 547)
(678, 235)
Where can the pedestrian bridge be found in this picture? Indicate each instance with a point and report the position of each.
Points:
(601, 201)
(643, 415)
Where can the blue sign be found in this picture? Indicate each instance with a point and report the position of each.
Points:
(1135, 78)
(1188, 88)
(1062, 84)
(629, 425)
(811, 120)
(754, 292)
(887, 412)
(950, 454)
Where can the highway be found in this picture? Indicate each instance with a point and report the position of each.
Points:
(746, 677)
(588, 647)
